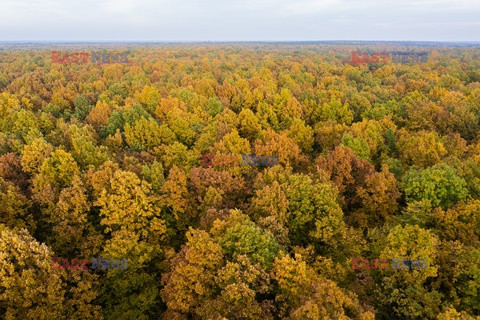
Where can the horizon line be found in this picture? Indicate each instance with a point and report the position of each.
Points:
(229, 41)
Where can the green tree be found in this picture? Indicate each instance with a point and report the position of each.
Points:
(440, 184)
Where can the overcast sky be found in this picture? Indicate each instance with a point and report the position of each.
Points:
(239, 20)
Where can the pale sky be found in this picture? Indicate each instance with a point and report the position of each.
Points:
(239, 20)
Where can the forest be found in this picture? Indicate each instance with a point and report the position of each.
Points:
(375, 162)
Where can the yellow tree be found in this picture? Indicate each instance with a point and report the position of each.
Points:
(405, 292)
(14, 211)
(303, 294)
(56, 172)
(132, 217)
(423, 149)
(175, 196)
(222, 273)
(271, 143)
(144, 134)
(31, 289)
(99, 115)
(379, 197)
(73, 234)
(34, 154)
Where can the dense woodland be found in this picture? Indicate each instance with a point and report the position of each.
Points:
(375, 161)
